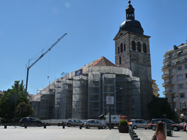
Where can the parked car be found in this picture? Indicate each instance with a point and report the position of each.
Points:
(138, 123)
(175, 126)
(74, 122)
(30, 121)
(94, 123)
(184, 126)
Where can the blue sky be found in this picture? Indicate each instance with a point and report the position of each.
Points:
(29, 26)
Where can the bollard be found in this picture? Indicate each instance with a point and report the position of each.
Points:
(63, 126)
(5, 126)
(25, 125)
(80, 126)
(134, 136)
(44, 125)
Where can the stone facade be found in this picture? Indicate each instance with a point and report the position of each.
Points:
(138, 61)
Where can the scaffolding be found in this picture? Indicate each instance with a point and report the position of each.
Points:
(94, 95)
(58, 90)
(128, 96)
(66, 99)
(84, 96)
(80, 97)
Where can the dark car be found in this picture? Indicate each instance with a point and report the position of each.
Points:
(175, 126)
(30, 121)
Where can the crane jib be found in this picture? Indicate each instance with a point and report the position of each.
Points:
(39, 59)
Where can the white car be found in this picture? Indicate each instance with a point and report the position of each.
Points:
(94, 123)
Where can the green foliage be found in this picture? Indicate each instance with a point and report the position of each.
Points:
(24, 110)
(159, 106)
(9, 99)
(123, 123)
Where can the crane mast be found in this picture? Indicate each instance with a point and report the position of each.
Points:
(39, 59)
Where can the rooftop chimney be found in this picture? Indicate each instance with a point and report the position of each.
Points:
(175, 47)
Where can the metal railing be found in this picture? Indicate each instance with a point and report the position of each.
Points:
(167, 83)
(174, 64)
(175, 56)
(171, 91)
(167, 74)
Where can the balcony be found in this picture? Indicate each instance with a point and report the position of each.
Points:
(169, 65)
(175, 56)
(174, 64)
(167, 83)
(167, 75)
(169, 92)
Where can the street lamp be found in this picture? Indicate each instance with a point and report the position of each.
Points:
(172, 97)
(16, 86)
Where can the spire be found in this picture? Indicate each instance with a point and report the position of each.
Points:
(130, 12)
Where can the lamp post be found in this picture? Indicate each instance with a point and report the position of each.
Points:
(16, 86)
(172, 97)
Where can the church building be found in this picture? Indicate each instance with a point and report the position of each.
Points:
(84, 93)
(132, 51)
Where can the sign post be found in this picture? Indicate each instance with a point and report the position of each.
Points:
(109, 101)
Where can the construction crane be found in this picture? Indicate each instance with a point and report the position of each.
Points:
(39, 59)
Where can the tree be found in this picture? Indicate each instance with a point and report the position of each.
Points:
(8, 101)
(159, 106)
(24, 110)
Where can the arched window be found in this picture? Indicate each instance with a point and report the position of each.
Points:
(124, 47)
(118, 50)
(144, 48)
(139, 46)
(120, 60)
(121, 47)
(133, 45)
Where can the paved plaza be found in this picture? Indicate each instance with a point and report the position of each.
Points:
(147, 135)
(57, 133)
(74, 133)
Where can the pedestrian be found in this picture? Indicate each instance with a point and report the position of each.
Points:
(160, 131)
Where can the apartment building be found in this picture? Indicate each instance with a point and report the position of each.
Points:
(175, 76)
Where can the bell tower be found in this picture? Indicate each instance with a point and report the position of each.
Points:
(132, 51)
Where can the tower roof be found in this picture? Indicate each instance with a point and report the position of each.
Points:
(131, 24)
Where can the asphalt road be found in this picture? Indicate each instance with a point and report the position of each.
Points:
(147, 134)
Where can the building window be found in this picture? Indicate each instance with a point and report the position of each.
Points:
(180, 86)
(170, 55)
(121, 47)
(124, 47)
(182, 95)
(185, 66)
(179, 68)
(133, 45)
(171, 87)
(118, 50)
(144, 48)
(139, 46)
(179, 77)
(120, 60)
(171, 79)
(170, 71)
(185, 75)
